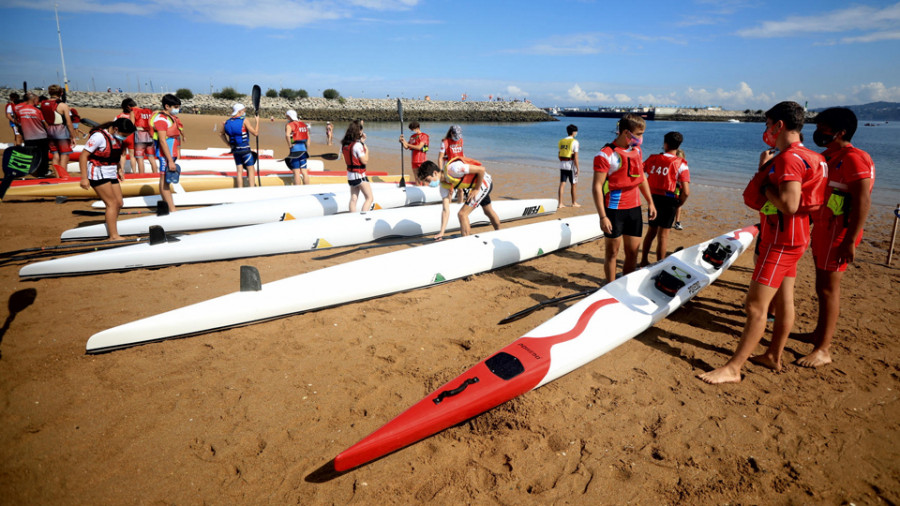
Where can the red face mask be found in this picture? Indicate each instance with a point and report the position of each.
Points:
(769, 138)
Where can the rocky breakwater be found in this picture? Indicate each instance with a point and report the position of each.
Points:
(321, 109)
(700, 114)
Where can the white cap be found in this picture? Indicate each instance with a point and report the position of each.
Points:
(292, 114)
(236, 108)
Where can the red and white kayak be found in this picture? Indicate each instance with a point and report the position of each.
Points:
(609, 317)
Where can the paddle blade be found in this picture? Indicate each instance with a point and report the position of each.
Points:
(19, 161)
(330, 156)
(257, 93)
(400, 112)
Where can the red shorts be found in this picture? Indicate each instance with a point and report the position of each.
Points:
(61, 146)
(776, 263)
(827, 235)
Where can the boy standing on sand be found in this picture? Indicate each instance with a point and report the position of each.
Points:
(59, 129)
(418, 144)
(568, 164)
(236, 134)
(296, 133)
(791, 182)
(838, 226)
(167, 139)
(618, 184)
(665, 171)
(460, 173)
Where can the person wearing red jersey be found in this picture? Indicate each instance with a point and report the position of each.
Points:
(34, 131)
(618, 185)
(669, 179)
(128, 144)
(418, 144)
(568, 164)
(788, 186)
(296, 133)
(141, 142)
(59, 129)
(356, 156)
(11, 116)
(102, 167)
(838, 226)
(167, 140)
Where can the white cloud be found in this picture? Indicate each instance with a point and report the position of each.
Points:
(876, 92)
(515, 91)
(873, 37)
(578, 44)
(579, 95)
(739, 97)
(860, 18)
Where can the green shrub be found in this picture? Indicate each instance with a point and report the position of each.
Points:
(271, 93)
(184, 94)
(287, 93)
(331, 94)
(301, 93)
(228, 93)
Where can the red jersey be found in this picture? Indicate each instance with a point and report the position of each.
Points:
(805, 166)
(142, 118)
(48, 109)
(451, 149)
(625, 173)
(169, 125)
(845, 165)
(419, 155)
(299, 131)
(31, 121)
(664, 172)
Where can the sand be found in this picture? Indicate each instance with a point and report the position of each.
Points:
(248, 415)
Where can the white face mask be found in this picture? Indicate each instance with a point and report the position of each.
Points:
(434, 184)
(175, 110)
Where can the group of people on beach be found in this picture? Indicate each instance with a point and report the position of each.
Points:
(805, 199)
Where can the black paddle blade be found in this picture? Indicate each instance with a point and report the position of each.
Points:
(257, 93)
(400, 111)
(90, 123)
(19, 161)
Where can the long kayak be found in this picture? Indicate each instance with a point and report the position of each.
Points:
(232, 195)
(290, 236)
(388, 273)
(607, 318)
(260, 211)
(150, 186)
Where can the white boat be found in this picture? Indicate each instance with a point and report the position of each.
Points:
(290, 236)
(393, 272)
(232, 195)
(259, 211)
(607, 318)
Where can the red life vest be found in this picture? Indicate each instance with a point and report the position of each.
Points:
(109, 155)
(48, 109)
(631, 171)
(812, 186)
(354, 164)
(73, 113)
(299, 131)
(142, 118)
(453, 149)
(419, 155)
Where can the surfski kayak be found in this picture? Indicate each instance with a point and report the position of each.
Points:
(290, 236)
(232, 195)
(611, 316)
(393, 272)
(260, 211)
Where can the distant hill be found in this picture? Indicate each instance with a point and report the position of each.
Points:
(879, 111)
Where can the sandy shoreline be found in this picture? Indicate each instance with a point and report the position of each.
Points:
(247, 415)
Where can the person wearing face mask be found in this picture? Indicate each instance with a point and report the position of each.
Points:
(418, 144)
(618, 185)
(838, 226)
(167, 139)
(461, 174)
(102, 166)
(789, 186)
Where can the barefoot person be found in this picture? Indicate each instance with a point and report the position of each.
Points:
(666, 172)
(838, 226)
(102, 166)
(167, 139)
(618, 185)
(296, 133)
(418, 144)
(568, 164)
(236, 133)
(356, 155)
(790, 185)
(461, 174)
(59, 129)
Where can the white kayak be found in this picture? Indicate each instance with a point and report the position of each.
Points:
(290, 236)
(189, 165)
(607, 318)
(232, 195)
(260, 211)
(385, 274)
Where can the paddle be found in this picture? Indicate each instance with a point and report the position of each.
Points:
(325, 156)
(257, 93)
(92, 212)
(527, 311)
(400, 113)
(18, 161)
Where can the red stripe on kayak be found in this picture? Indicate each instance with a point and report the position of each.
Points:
(428, 417)
(750, 229)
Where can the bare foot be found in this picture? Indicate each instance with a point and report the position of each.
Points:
(576, 204)
(721, 375)
(562, 206)
(766, 361)
(815, 359)
(116, 238)
(644, 263)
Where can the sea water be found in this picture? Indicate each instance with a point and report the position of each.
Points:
(718, 154)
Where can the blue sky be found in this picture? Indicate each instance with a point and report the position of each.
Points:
(733, 53)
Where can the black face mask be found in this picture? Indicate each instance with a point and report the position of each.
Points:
(821, 139)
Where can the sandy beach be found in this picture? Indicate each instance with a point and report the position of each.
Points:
(249, 415)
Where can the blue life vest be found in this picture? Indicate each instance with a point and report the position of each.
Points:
(237, 136)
